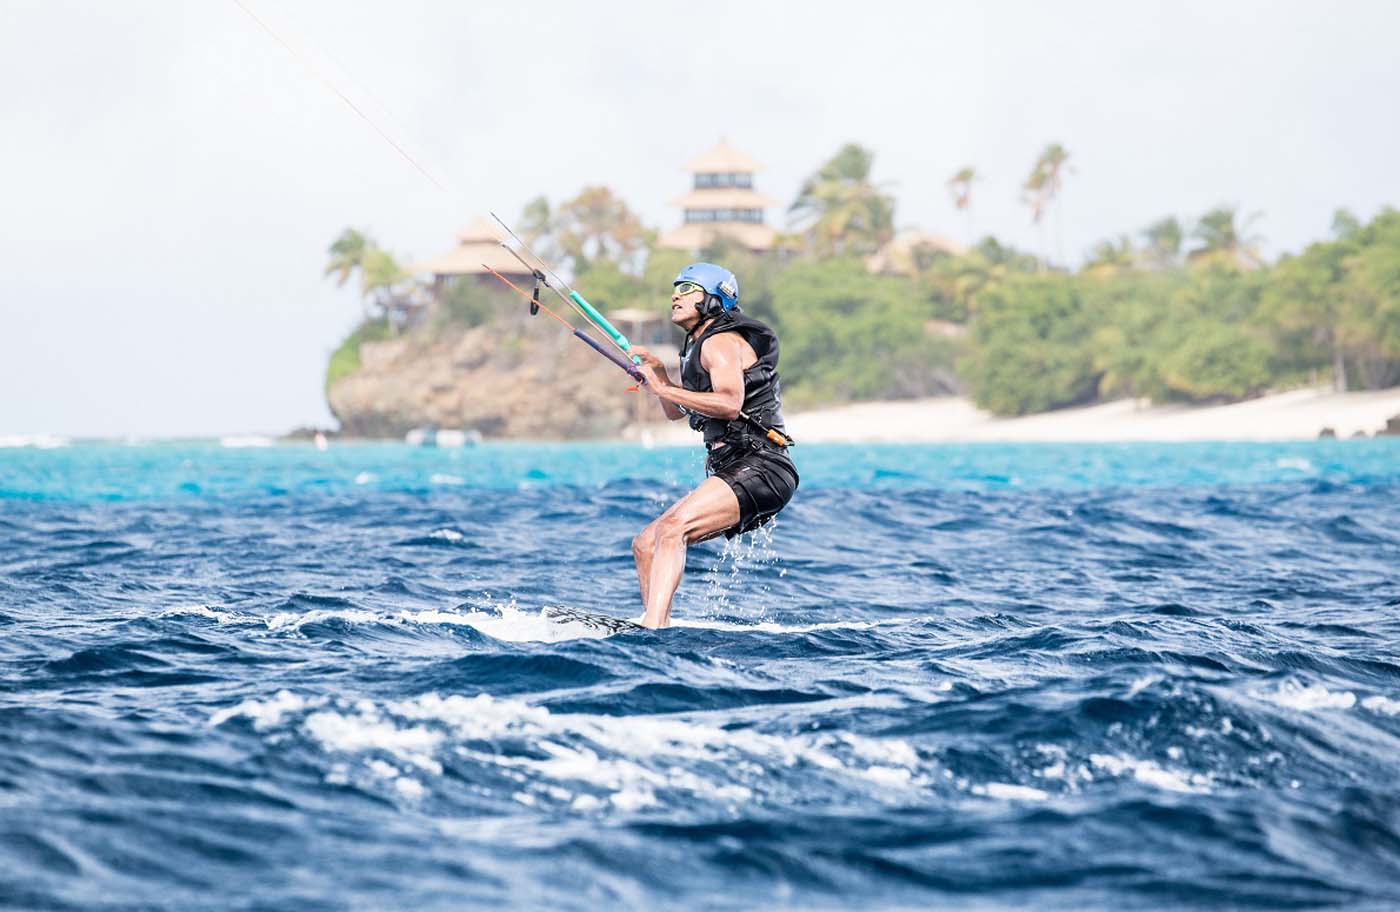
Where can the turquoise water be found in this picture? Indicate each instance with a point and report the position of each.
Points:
(103, 472)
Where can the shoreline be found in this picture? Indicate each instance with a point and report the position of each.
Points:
(1299, 414)
(1295, 415)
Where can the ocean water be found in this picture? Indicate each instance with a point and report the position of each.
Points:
(1048, 677)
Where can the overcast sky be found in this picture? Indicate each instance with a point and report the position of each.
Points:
(170, 176)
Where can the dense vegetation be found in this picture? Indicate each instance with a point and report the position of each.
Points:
(1180, 315)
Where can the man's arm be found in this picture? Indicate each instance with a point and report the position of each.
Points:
(722, 356)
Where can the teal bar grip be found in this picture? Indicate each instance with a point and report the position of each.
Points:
(602, 323)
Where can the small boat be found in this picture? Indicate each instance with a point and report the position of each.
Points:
(444, 438)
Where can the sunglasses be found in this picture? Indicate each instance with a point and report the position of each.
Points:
(685, 288)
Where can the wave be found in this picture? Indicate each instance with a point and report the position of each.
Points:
(1047, 678)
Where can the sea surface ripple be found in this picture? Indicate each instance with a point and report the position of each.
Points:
(1051, 677)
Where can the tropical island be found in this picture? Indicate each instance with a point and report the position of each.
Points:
(1184, 313)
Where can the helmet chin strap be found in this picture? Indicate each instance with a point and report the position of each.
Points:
(705, 312)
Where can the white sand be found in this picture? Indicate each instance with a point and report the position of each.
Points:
(1294, 415)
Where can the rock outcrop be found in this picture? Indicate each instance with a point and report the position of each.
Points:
(521, 382)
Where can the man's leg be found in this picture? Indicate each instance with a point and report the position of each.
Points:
(642, 546)
(701, 514)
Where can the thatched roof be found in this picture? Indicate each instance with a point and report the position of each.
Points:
(723, 198)
(478, 229)
(898, 255)
(722, 159)
(476, 244)
(697, 236)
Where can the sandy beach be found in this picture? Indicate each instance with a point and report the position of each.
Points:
(1293, 415)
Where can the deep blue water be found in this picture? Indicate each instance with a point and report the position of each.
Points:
(1050, 677)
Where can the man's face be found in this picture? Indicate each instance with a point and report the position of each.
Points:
(686, 297)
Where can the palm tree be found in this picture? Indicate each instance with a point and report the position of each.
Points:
(379, 272)
(1163, 239)
(536, 221)
(1035, 195)
(839, 207)
(1344, 224)
(1043, 187)
(1112, 257)
(347, 253)
(1224, 239)
(960, 187)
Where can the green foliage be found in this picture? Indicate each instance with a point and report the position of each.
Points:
(841, 210)
(1163, 243)
(1151, 319)
(1030, 348)
(345, 360)
(1369, 328)
(1131, 315)
(1225, 238)
(384, 285)
(474, 301)
(1337, 304)
(1042, 187)
(595, 226)
(1217, 360)
(849, 335)
(607, 287)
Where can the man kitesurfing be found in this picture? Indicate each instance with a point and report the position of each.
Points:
(729, 390)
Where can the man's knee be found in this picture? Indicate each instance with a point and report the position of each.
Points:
(644, 541)
(671, 529)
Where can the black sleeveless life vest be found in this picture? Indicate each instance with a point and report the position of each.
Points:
(762, 391)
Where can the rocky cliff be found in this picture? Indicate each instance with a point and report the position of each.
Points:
(522, 381)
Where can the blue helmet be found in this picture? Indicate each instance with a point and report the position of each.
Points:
(720, 286)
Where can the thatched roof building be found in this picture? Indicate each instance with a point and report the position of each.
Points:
(721, 204)
(477, 244)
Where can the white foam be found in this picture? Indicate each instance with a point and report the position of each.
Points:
(365, 478)
(441, 478)
(265, 714)
(889, 775)
(1297, 463)
(1293, 695)
(364, 731)
(1142, 684)
(405, 785)
(222, 617)
(451, 535)
(517, 625)
(622, 762)
(292, 620)
(1382, 705)
(511, 623)
(409, 788)
(773, 627)
(1010, 792)
(1149, 772)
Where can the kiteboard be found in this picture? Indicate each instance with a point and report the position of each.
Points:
(562, 614)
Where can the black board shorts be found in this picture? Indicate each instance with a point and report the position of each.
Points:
(762, 479)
